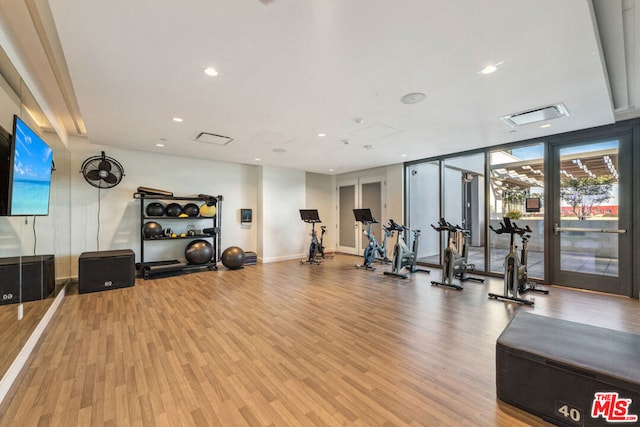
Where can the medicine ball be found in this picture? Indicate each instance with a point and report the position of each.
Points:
(173, 209)
(155, 209)
(233, 258)
(208, 211)
(151, 230)
(191, 209)
(198, 252)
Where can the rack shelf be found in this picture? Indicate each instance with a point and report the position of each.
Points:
(151, 268)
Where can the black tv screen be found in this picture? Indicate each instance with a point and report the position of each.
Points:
(30, 161)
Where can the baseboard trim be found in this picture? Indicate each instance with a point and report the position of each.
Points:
(19, 362)
(281, 258)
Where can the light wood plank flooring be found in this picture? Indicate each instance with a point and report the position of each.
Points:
(284, 344)
(14, 333)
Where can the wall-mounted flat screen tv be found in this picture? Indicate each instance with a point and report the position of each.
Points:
(29, 161)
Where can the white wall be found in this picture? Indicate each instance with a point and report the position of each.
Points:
(120, 213)
(321, 195)
(283, 233)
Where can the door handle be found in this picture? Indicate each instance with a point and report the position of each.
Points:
(557, 229)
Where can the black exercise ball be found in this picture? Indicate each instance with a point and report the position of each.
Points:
(155, 209)
(233, 258)
(198, 252)
(151, 230)
(173, 209)
(191, 209)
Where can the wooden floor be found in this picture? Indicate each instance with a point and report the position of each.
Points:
(284, 344)
(14, 333)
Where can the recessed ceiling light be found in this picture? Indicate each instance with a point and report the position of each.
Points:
(546, 125)
(322, 134)
(368, 147)
(330, 170)
(413, 98)
(491, 68)
(279, 150)
(210, 71)
(358, 120)
(257, 159)
(159, 145)
(346, 141)
(177, 119)
(403, 155)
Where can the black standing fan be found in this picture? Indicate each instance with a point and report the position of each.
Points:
(102, 171)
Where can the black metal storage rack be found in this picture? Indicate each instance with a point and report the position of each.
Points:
(148, 268)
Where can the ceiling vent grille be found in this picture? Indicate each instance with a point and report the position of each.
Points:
(212, 138)
(538, 115)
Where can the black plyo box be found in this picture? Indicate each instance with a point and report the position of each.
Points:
(104, 270)
(569, 373)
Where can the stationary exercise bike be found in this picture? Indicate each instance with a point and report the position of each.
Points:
(374, 251)
(323, 230)
(402, 256)
(310, 216)
(516, 277)
(454, 261)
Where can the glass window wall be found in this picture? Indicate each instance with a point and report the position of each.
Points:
(423, 188)
(464, 202)
(516, 191)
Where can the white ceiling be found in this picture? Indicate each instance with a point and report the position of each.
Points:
(290, 69)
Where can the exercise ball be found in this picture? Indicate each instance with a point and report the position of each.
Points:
(173, 209)
(208, 211)
(151, 230)
(233, 258)
(198, 252)
(155, 209)
(191, 209)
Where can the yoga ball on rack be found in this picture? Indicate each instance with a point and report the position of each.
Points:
(155, 209)
(173, 209)
(151, 230)
(198, 252)
(191, 209)
(208, 211)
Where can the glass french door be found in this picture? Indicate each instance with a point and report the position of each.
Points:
(591, 225)
(364, 192)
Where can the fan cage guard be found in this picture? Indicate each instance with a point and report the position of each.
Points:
(94, 163)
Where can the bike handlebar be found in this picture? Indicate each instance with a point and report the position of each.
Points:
(443, 225)
(511, 228)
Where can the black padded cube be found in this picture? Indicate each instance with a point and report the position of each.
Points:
(569, 373)
(104, 270)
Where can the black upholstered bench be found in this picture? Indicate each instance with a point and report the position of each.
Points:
(569, 373)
